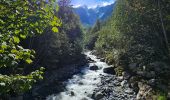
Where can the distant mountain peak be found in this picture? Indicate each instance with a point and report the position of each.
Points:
(88, 16)
(92, 3)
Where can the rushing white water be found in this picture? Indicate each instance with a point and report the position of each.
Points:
(81, 85)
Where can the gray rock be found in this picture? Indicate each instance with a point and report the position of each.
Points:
(117, 83)
(109, 70)
(84, 99)
(72, 93)
(90, 60)
(98, 96)
(129, 91)
(124, 83)
(126, 75)
(80, 83)
(120, 78)
(94, 67)
(90, 95)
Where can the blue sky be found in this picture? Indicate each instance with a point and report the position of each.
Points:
(91, 3)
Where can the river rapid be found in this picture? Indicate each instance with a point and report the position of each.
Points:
(90, 84)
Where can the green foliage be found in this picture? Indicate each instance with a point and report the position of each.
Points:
(162, 97)
(135, 29)
(91, 35)
(20, 19)
(55, 50)
(19, 83)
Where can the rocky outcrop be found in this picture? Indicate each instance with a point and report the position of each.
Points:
(155, 75)
(112, 88)
(109, 70)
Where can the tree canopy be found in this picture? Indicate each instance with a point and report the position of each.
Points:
(20, 19)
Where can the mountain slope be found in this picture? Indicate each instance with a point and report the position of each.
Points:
(88, 16)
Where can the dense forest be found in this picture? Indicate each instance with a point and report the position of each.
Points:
(42, 44)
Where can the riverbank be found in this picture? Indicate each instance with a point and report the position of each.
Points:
(149, 83)
(53, 80)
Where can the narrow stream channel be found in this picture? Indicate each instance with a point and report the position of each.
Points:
(83, 84)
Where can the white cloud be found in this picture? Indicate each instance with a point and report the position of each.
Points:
(76, 6)
(106, 3)
(102, 4)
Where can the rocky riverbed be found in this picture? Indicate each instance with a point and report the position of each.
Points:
(113, 88)
(95, 82)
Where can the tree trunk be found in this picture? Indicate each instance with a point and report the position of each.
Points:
(163, 27)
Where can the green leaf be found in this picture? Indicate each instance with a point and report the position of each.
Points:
(29, 61)
(55, 29)
(16, 39)
(14, 51)
(22, 36)
(4, 46)
(1, 51)
(53, 23)
(17, 31)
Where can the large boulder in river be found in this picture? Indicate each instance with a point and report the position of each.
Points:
(94, 67)
(72, 93)
(109, 70)
(90, 60)
(98, 96)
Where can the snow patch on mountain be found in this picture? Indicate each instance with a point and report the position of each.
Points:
(88, 16)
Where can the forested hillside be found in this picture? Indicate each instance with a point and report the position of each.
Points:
(57, 49)
(136, 40)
